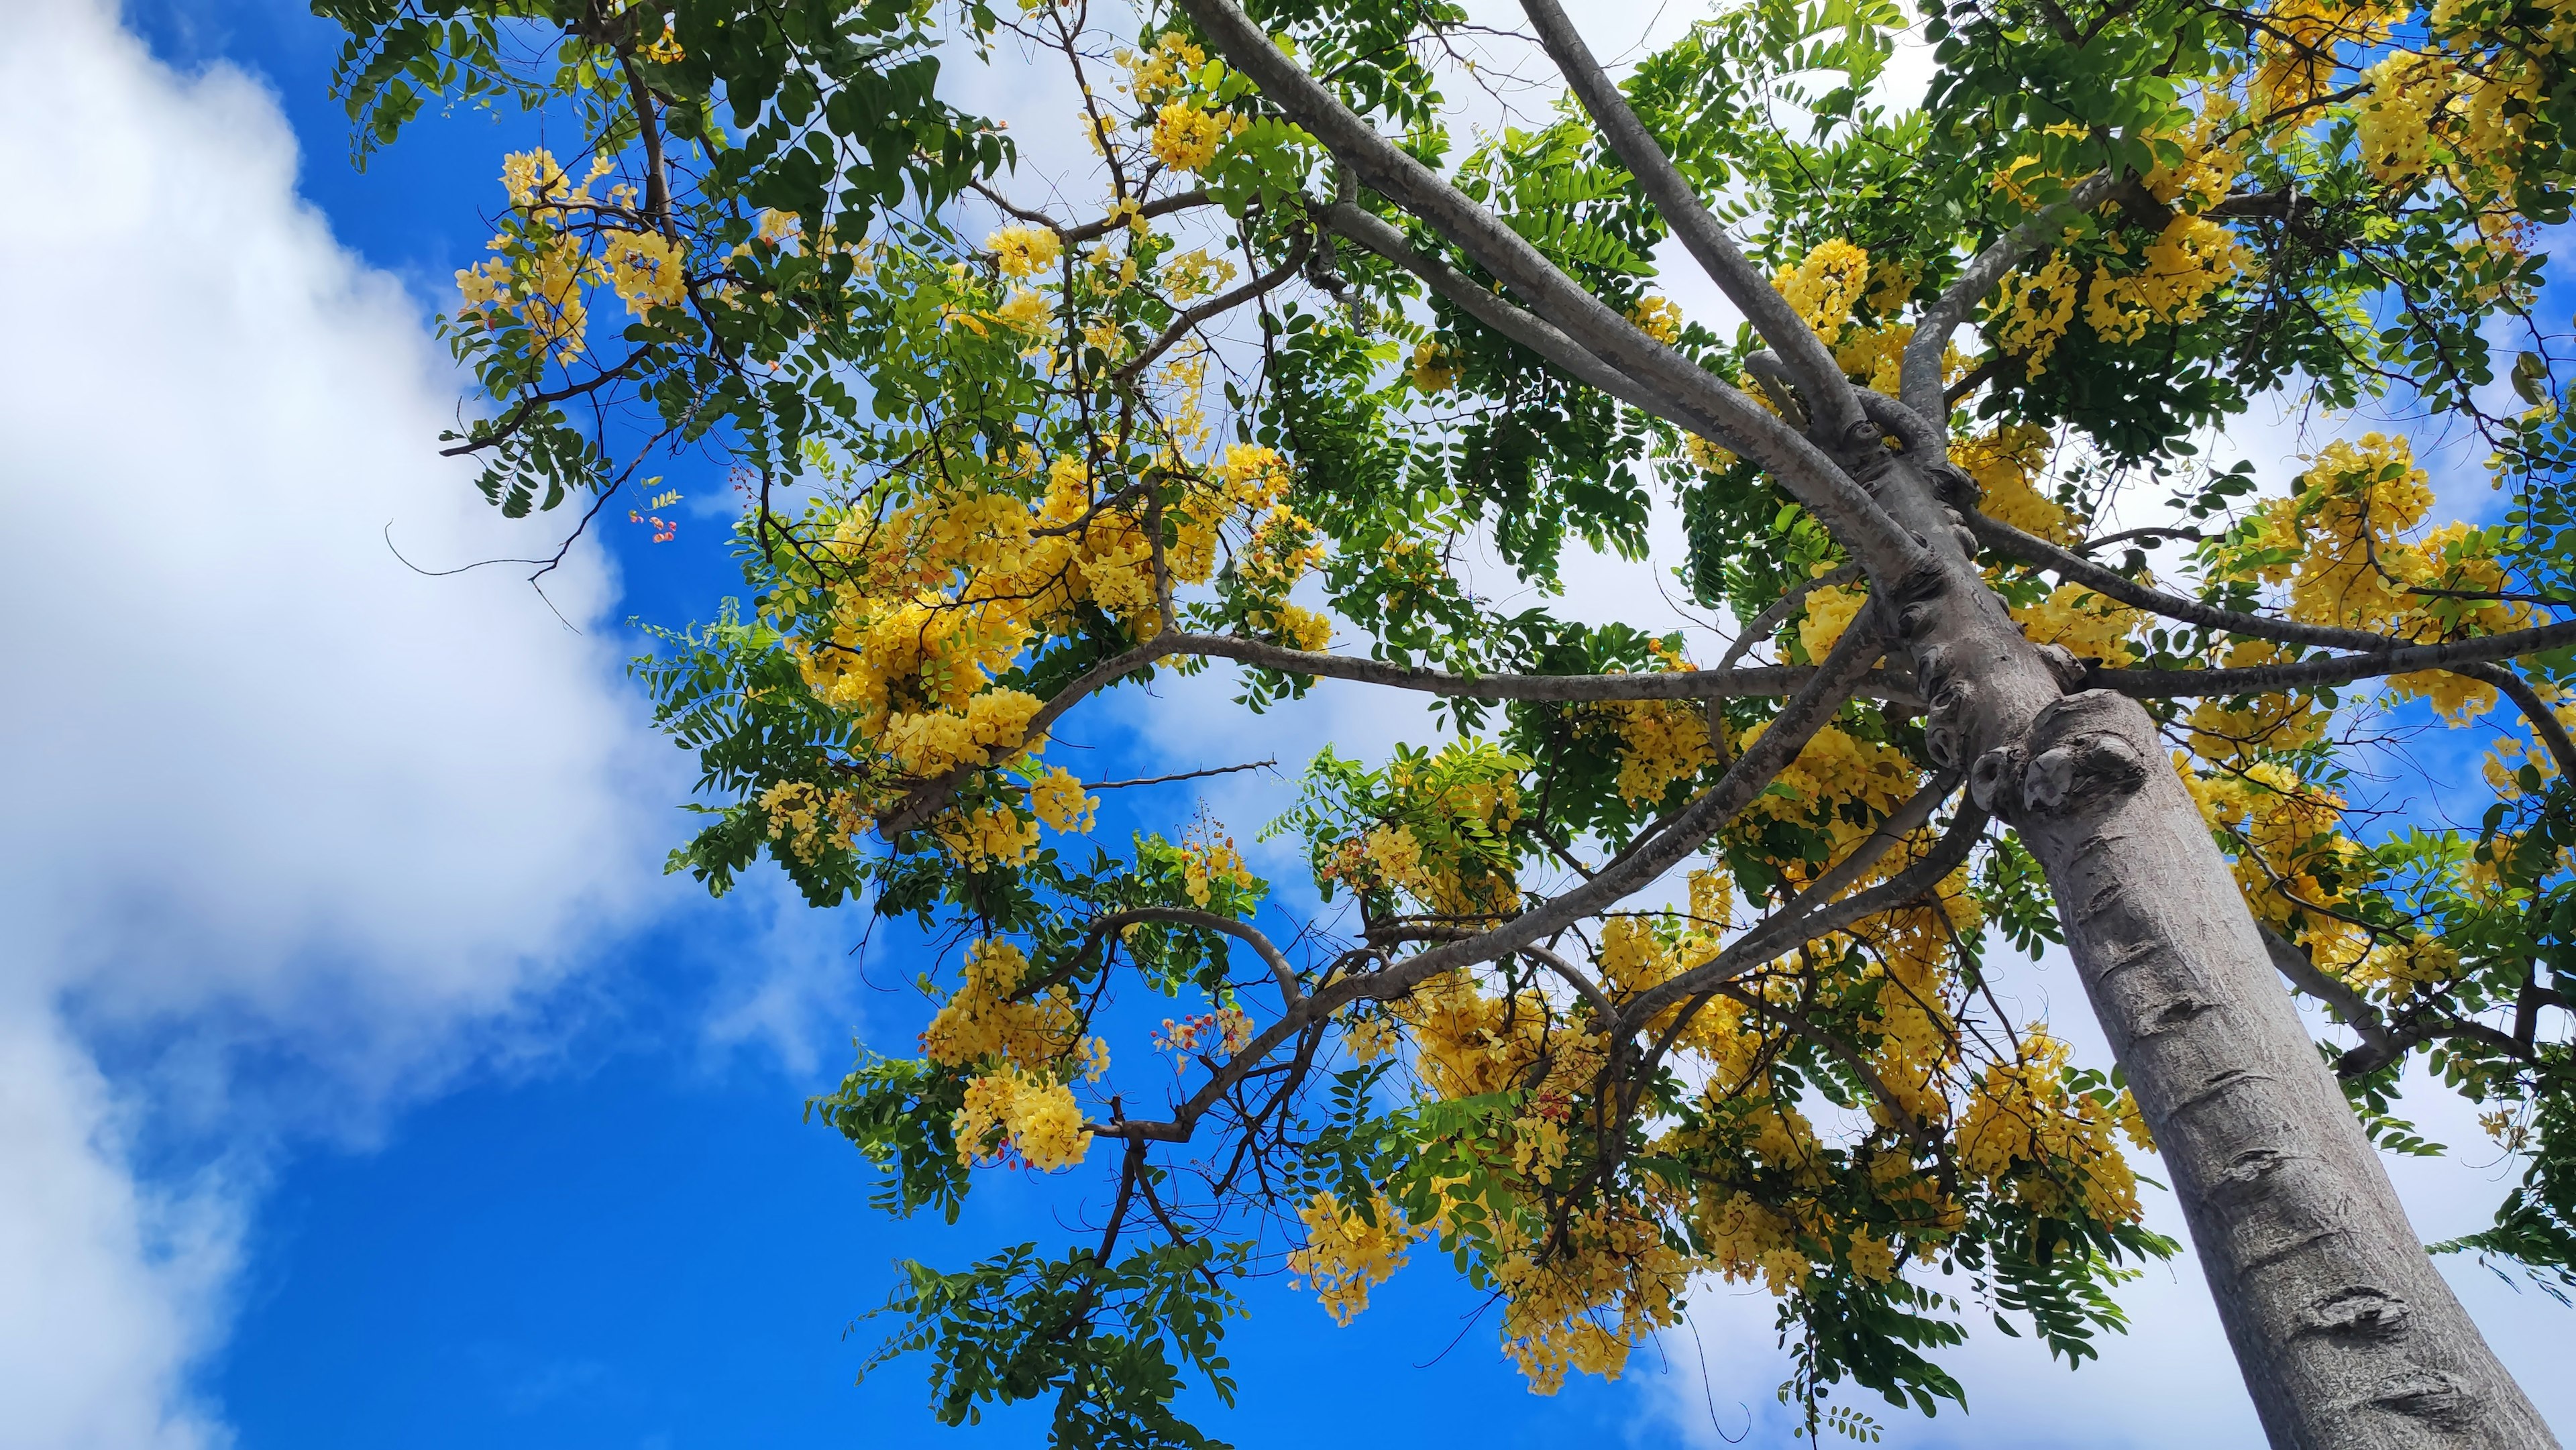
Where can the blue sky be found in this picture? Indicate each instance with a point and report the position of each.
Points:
(362, 1081)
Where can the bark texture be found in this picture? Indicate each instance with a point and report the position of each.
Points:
(2347, 1336)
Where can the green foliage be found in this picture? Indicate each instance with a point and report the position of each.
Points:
(878, 380)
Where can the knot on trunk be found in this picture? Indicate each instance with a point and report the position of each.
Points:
(2423, 1394)
(1952, 485)
(1994, 782)
(1945, 728)
(2359, 1313)
(2086, 750)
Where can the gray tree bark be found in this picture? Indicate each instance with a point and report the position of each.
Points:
(2347, 1336)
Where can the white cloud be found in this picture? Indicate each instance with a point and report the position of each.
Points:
(278, 800)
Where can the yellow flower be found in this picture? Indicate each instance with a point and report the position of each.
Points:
(1058, 799)
(1823, 288)
(1186, 137)
(1025, 311)
(1435, 368)
(1024, 251)
(1830, 610)
(1346, 1254)
(1659, 318)
(1036, 1118)
(647, 270)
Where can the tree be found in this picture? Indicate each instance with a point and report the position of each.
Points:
(1653, 969)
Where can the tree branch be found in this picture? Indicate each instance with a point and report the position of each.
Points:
(1722, 683)
(2333, 669)
(1244, 932)
(1832, 1042)
(1222, 302)
(1839, 502)
(1828, 393)
(1824, 694)
(2544, 721)
(1796, 926)
(2012, 543)
(1488, 307)
(1920, 376)
(1777, 612)
(1593, 992)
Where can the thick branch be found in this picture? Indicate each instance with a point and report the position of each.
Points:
(1828, 393)
(1824, 693)
(2381, 1041)
(1798, 721)
(2004, 539)
(928, 797)
(1839, 502)
(2544, 721)
(2313, 674)
(1488, 307)
(657, 185)
(1243, 932)
(1904, 821)
(2012, 543)
(1604, 1009)
(1921, 374)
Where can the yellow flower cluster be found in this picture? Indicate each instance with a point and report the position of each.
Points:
(545, 266)
(2288, 837)
(2053, 1148)
(2006, 463)
(928, 600)
(1434, 369)
(809, 819)
(2192, 258)
(2343, 545)
(991, 835)
(1466, 1043)
(1611, 1283)
(2087, 624)
(2036, 311)
(1830, 611)
(1210, 860)
(2300, 48)
(1194, 274)
(1467, 798)
(2399, 969)
(1058, 799)
(1024, 251)
(1348, 1253)
(2229, 731)
(1168, 67)
(1836, 770)
(986, 1020)
(1035, 1118)
(1659, 318)
(1660, 741)
(1186, 136)
(1823, 287)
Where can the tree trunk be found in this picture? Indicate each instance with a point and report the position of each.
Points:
(2346, 1335)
